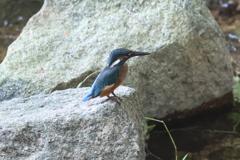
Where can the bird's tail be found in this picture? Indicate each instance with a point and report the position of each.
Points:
(89, 95)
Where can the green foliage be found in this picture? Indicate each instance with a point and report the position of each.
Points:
(175, 147)
(234, 116)
(236, 89)
(150, 128)
(184, 158)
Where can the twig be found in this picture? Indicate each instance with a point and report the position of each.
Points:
(80, 84)
(174, 145)
(151, 152)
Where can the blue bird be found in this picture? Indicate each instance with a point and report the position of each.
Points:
(113, 75)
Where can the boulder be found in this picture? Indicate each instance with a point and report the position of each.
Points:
(68, 40)
(59, 126)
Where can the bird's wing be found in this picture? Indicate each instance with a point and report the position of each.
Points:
(107, 77)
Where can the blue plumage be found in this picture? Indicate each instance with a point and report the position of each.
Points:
(89, 95)
(110, 74)
(107, 77)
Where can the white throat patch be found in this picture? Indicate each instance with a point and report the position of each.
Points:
(115, 63)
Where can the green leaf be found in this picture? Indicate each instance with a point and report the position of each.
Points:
(150, 128)
(185, 157)
(234, 116)
(236, 90)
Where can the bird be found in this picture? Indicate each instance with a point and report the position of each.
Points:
(113, 75)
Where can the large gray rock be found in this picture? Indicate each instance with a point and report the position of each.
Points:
(60, 126)
(67, 40)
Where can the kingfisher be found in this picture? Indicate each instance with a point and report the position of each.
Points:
(113, 75)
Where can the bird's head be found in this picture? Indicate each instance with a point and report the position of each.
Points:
(121, 55)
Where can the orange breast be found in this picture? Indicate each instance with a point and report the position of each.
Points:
(109, 89)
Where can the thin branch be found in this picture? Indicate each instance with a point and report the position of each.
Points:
(80, 84)
(174, 145)
(151, 152)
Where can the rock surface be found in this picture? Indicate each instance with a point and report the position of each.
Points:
(60, 126)
(67, 40)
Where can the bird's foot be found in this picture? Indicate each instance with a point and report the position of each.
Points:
(114, 95)
(113, 98)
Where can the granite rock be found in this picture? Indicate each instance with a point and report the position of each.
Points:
(68, 40)
(59, 126)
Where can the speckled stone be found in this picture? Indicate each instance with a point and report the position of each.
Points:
(59, 126)
(69, 39)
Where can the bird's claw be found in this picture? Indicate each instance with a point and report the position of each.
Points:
(113, 98)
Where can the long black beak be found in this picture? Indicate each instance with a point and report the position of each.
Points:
(140, 54)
